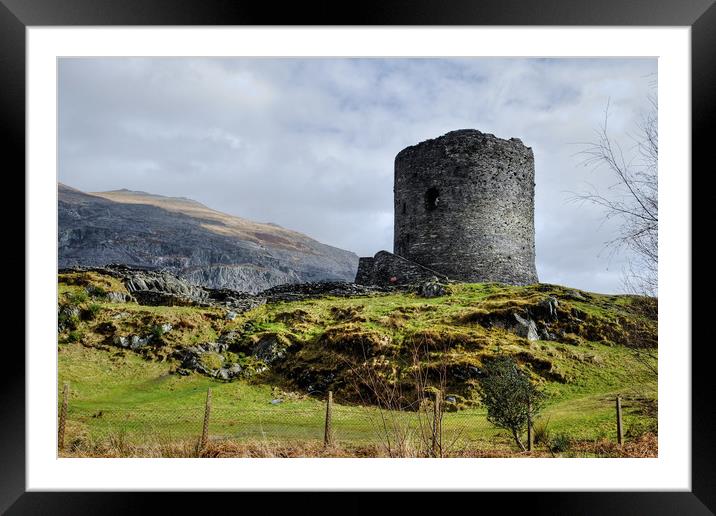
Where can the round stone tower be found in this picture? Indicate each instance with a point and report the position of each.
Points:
(464, 207)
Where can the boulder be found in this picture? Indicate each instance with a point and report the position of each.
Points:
(118, 297)
(132, 342)
(194, 358)
(574, 295)
(431, 288)
(545, 309)
(67, 317)
(270, 348)
(234, 370)
(121, 341)
(137, 342)
(524, 327)
(229, 372)
(516, 322)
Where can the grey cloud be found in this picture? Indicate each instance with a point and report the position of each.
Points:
(309, 143)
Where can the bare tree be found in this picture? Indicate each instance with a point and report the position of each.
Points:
(633, 197)
(632, 200)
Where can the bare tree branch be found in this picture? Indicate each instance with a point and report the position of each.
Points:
(633, 198)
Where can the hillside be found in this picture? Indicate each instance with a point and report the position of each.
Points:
(580, 348)
(185, 237)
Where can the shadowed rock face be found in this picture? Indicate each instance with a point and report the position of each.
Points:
(464, 206)
(196, 243)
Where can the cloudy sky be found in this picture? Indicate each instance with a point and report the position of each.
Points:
(309, 143)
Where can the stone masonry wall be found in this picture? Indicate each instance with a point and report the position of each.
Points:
(464, 206)
(364, 276)
(389, 269)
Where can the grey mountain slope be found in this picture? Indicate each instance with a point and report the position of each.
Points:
(183, 236)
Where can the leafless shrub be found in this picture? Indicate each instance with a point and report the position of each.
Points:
(405, 408)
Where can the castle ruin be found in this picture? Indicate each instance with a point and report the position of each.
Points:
(464, 210)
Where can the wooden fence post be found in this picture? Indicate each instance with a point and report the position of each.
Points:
(63, 416)
(328, 430)
(620, 432)
(205, 430)
(437, 425)
(530, 433)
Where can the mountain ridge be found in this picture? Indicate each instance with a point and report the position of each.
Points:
(202, 245)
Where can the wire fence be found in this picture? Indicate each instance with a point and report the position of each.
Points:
(349, 426)
(129, 430)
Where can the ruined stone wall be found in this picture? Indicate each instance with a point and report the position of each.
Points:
(464, 206)
(364, 276)
(386, 269)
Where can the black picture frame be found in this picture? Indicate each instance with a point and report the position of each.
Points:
(700, 15)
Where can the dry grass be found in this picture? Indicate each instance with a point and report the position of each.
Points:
(645, 446)
(116, 445)
(282, 450)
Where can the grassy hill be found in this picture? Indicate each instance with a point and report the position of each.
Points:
(589, 348)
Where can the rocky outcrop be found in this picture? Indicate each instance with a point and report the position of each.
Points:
(523, 327)
(210, 359)
(270, 348)
(200, 245)
(136, 342)
(139, 282)
(161, 288)
(532, 322)
(133, 342)
(431, 288)
(67, 317)
(321, 289)
(513, 320)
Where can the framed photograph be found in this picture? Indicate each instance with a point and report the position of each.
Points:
(414, 250)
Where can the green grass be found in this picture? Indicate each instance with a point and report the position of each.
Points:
(143, 400)
(141, 396)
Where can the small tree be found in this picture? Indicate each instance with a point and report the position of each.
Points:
(509, 395)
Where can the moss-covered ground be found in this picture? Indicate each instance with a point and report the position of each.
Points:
(116, 391)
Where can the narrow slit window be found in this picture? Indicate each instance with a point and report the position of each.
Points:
(432, 198)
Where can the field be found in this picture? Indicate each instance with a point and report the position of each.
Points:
(136, 402)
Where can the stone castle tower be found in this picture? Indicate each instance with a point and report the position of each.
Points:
(464, 207)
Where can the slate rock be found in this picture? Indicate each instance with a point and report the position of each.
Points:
(270, 348)
(431, 288)
(524, 327)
